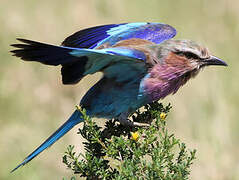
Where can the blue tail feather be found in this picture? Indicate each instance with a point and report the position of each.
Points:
(68, 125)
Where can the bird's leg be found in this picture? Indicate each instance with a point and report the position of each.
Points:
(123, 119)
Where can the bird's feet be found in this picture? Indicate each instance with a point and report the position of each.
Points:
(127, 122)
(123, 119)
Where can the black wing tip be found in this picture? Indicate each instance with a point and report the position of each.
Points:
(20, 39)
(25, 40)
(13, 52)
(20, 48)
(18, 45)
(17, 52)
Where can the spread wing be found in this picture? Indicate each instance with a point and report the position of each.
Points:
(113, 33)
(109, 35)
(78, 62)
(75, 66)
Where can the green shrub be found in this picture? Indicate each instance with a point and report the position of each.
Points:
(119, 152)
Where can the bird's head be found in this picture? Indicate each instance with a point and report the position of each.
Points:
(173, 63)
(189, 52)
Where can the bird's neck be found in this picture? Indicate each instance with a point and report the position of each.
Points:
(167, 77)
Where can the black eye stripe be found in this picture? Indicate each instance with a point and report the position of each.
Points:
(188, 54)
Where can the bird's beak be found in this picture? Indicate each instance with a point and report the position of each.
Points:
(214, 61)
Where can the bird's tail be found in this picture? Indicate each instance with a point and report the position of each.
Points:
(75, 118)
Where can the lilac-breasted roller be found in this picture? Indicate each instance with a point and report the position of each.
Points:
(140, 62)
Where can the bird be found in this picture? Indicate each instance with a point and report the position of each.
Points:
(141, 63)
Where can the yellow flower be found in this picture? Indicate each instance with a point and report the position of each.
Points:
(135, 136)
(163, 115)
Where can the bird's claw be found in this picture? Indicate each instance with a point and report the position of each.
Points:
(127, 122)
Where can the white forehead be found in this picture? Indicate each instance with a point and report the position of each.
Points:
(189, 46)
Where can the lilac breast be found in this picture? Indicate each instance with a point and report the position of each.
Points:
(163, 80)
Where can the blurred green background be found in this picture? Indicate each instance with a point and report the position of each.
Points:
(33, 102)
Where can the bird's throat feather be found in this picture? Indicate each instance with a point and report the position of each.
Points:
(168, 76)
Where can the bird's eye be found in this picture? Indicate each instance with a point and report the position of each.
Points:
(188, 55)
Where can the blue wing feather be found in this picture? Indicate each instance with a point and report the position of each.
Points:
(126, 52)
(88, 38)
(98, 59)
(155, 32)
(113, 33)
